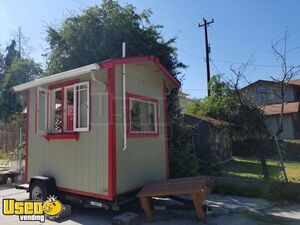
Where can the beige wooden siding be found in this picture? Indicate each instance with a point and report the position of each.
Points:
(144, 159)
(81, 165)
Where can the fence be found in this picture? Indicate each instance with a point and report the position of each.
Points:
(10, 137)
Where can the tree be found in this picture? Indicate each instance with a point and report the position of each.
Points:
(20, 71)
(288, 72)
(249, 119)
(220, 104)
(11, 54)
(97, 34)
(228, 103)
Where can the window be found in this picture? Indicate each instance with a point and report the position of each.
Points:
(143, 116)
(64, 109)
(42, 110)
(81, 109)
(262, 94)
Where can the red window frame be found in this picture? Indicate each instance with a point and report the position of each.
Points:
(143, 99)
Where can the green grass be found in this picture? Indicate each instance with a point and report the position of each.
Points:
(250, 168)
(3, 156)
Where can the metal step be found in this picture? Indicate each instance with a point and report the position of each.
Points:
(23, 186)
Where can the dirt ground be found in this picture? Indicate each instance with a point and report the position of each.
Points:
(225, 210)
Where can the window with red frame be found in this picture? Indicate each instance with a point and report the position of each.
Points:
(142, 115)
(65, 110)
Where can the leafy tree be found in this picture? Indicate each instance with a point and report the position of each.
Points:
(228, 103)
(20, 71)
(11, 54)
(220, 104)
(97, 34)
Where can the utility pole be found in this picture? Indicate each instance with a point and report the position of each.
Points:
(207, 47)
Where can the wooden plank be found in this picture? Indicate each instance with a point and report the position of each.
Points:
(175, 187)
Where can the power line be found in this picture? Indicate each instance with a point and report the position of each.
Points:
(241, 63)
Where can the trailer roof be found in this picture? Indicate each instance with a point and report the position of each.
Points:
(95, 66)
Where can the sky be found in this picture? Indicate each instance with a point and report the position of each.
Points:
(242, 29)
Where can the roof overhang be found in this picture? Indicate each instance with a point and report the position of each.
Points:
(57, 77)
(275, 109)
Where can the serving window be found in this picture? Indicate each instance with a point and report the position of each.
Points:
(63, 109)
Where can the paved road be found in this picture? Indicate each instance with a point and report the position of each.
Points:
(225, 210)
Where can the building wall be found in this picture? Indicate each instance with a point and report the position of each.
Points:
(81, 165)
(144, 160)
(288, 127)
(273, 98)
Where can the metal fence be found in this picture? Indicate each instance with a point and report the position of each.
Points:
(10, 136)
(247, 160)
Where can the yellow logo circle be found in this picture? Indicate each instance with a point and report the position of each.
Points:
(52, 207)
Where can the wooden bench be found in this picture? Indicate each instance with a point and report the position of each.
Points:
(197, 187)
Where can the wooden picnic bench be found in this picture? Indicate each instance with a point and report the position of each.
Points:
(197, 187)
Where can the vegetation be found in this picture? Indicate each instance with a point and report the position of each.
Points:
(226, 102)
(14, 70)
(97, 34)
(250, 168)
(219, 105)
(3, 155)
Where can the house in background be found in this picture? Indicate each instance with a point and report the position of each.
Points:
(183, 99)
(266, 94)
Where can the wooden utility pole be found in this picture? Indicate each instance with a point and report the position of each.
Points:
(207, 47)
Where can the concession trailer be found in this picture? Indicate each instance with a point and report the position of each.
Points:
(98, 132)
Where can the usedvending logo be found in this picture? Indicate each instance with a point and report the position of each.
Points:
(33, 210)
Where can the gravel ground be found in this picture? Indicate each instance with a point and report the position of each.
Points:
(225, 210)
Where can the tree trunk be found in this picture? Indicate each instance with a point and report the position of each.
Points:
(263, 164)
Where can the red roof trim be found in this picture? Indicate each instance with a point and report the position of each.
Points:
(155, 60)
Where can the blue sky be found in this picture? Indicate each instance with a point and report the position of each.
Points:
(241, 29)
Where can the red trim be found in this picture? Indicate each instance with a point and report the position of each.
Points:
(35, 113)
(166, 133)
(25, 177)
(111, 132)
(143, 98)
(63, 84)
(155, 60)
(62, 109)
(54, 136)
(83, 193)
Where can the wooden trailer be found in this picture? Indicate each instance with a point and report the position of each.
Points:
(99, 130)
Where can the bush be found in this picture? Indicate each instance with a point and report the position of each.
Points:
(182, 160)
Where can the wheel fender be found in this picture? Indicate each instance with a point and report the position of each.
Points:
(48, 182)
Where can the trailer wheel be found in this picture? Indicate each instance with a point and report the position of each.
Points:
(37, 191)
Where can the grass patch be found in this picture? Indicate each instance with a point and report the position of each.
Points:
(273, 191)
(3, 156)
(250, 168)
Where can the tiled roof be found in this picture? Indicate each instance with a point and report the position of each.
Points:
(275, 109)
(215, 122)
(295, 82)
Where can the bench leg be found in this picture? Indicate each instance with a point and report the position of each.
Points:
(145, 204)
(197, 200)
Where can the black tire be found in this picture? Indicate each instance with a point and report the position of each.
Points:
(37, 191)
